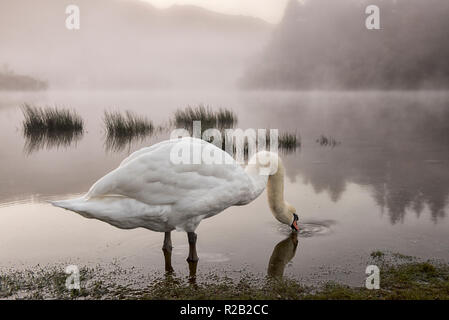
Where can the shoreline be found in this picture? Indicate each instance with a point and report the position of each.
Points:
(401, 278)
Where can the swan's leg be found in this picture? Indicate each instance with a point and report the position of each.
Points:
(167, 248)
(193, 257)
(192, 271)
(167, 242)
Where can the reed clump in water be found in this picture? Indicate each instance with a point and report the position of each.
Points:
(50, 120)
(289, 141)
(50, 127)
(327, 141)
(123, 129)
(128, 124)
(221, 118)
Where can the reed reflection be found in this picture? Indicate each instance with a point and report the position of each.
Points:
(123, 130)
(50, 127)
(51, 140)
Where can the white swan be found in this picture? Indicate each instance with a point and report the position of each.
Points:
(148, 190)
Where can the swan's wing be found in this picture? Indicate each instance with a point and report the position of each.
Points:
(152, 178)
(142, 151)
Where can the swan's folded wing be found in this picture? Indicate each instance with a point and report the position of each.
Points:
(152, 178)
(142, 151)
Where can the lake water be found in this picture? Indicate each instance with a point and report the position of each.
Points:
(385, 186)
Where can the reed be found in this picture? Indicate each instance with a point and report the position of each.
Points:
(123, 129)
(326, 141)
(50, 127)
(127, 125)
(49, 120)
(221, 118)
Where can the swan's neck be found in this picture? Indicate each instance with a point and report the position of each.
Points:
(275, 193)
(275, 188)
(258, 181)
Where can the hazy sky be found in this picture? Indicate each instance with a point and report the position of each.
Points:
(270, 10)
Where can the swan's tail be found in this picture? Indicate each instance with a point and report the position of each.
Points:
(119, 211)
(77, 204)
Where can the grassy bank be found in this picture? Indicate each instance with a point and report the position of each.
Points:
(402, 277)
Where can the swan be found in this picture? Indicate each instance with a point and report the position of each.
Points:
(149, 190)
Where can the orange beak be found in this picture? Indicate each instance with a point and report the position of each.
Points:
(295, 225)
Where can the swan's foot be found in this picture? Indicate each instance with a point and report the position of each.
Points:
(192, 271)
(167, 249)
(193, 256)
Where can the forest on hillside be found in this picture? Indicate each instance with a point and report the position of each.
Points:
(324, 44)
(9, 80)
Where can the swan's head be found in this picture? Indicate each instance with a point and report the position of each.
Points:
(291, 212)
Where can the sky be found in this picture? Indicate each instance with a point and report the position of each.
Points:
(269, 10)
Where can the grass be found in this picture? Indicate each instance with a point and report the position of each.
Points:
(123, 129)
(50, 127)
(401, 279)
(50, 120)
(377, 254)
(41, 283)
(288, 141)
(327, 141)
(410, 280)
(407, 281)
(127, 125)
(221, 118)
(54, 127)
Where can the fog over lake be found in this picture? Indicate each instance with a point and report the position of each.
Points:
(371, 171)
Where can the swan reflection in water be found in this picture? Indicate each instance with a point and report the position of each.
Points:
(282, 254)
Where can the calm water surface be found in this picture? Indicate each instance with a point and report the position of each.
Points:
(384, 187)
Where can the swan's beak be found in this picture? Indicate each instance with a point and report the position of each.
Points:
(295, 226)
(295, 222)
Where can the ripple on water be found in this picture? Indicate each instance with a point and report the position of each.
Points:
(309, 229)
(214, 257)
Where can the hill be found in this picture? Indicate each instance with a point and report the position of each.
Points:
(9, 80)
(127, 44)
(324, 44)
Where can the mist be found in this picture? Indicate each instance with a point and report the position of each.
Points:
(127, 45)
(324, 44)
(363, 135)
